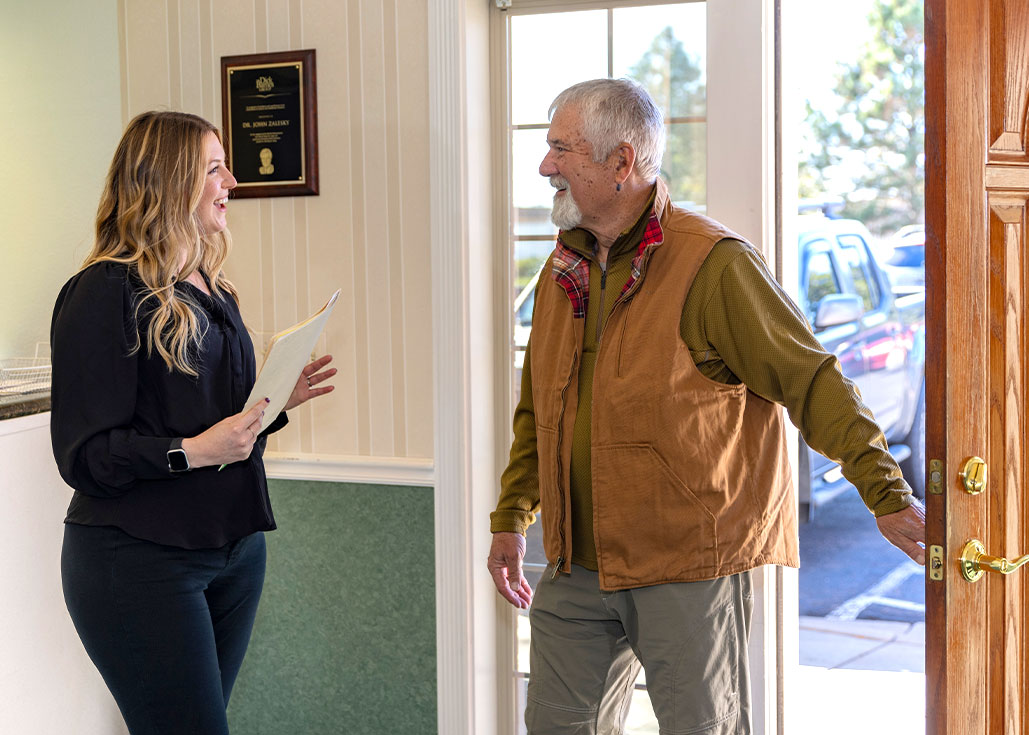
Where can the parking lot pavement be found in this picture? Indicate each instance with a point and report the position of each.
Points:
(848, 571)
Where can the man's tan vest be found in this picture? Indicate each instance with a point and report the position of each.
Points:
(690, 476)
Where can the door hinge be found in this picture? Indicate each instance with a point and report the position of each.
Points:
(503, 4)
(936, 477)
(936, 563)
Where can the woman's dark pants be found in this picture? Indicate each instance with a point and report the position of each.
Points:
(166, 627)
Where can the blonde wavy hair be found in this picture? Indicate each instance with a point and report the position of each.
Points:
(147, 219)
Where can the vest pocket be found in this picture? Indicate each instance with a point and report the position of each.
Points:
(649, 526)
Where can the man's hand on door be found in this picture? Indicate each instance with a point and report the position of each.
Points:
(905, 529)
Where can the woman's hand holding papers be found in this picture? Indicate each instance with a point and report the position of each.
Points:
(310, 377)
(233, 438)
(230, 440)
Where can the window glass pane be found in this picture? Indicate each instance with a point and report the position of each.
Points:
(684, 167)
(531, 194)
(664, 48)
(529, 258)
(550, 52)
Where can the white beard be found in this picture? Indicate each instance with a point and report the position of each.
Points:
(566, 214)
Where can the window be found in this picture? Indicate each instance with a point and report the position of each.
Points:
(663, 46)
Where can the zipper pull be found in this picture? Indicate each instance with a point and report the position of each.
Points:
(557, 567)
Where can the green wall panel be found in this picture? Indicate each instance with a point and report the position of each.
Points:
(345, 638)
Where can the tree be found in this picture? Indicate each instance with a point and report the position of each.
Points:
(879, 125)
(675, 80)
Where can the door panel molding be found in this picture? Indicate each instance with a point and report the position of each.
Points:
(1010, 90)
(1003, 177)
(1008, 450)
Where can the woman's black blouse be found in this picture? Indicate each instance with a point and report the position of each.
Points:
(115, 412)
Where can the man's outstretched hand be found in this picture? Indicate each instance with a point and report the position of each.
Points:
(505, 566)
(905, 529)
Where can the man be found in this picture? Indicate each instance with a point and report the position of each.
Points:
(649, 434)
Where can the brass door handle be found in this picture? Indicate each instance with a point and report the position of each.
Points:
(975, 561)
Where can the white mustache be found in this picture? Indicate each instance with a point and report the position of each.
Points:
(559, 182)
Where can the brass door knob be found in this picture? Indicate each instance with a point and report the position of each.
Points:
(973, 475)
(975, 562)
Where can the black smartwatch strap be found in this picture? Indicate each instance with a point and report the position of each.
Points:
(178, 461)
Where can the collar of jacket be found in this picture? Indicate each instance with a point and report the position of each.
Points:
(571, 268)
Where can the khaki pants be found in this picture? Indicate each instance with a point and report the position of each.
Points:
(588, 645)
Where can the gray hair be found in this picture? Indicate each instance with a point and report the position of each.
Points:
(617, 110)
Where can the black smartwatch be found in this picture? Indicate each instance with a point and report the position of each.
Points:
(177, 459)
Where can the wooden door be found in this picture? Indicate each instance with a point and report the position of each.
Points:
(977, 274)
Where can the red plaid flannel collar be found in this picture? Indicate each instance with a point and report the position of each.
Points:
(571, 270)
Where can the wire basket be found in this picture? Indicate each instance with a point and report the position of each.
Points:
(24, 375)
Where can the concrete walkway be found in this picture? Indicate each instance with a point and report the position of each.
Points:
(859, 677)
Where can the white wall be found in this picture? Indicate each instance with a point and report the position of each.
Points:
(62, 118)
(47, 683)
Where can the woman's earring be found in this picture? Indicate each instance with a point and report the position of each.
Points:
(618, 187)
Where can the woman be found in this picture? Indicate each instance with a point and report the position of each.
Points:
(163, 558)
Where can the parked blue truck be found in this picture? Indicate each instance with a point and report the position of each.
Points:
(878, 335)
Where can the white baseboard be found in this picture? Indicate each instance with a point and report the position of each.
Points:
(350, 469)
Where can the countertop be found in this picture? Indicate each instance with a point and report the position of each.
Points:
(12, 407)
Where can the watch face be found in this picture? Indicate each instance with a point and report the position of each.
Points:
(177, 460)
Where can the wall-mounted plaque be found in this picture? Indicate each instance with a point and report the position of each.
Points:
(270, 115)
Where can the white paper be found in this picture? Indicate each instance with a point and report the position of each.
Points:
(287, 354)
